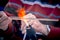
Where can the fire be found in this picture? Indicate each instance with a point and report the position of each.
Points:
(21, 14)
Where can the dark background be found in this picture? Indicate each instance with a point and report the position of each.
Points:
(3, 2)
(53, 2)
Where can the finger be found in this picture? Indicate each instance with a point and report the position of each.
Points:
(3, 16)
(24, 31)
(29, 17)
(4, 24)
(6, 21)
(2, 13)
(22, 25)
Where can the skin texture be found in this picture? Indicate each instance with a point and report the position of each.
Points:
(4, 21)
(39, 27)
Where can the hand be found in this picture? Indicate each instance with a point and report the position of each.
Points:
(4, 20)
(36, 24)
(24, 24)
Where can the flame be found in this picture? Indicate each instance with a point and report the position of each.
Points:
(21, 14)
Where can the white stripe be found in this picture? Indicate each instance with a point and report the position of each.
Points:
(43, 5)
(45, 16)
(48, 27)
(24, 36)
(15, 4)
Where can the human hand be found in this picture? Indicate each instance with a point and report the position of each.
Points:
(36, 24)
(4, 20)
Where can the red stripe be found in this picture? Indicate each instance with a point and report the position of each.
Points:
(16, 1)
(37, 8)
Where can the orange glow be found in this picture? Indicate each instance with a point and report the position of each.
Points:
(21, 13)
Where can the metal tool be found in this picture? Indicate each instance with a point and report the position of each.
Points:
(30, 34)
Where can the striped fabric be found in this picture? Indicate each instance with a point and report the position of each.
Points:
(39, 8)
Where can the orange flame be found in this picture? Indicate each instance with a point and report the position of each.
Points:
(21, 13)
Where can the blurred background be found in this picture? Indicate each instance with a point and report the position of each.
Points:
(52, 12)
(50, 9)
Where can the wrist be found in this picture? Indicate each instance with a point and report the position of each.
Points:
(46, 30)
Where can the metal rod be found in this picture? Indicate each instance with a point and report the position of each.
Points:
(42, 19)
